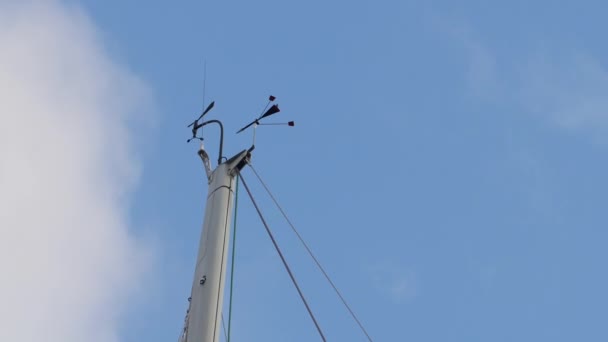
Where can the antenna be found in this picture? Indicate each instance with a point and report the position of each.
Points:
(204, 81)
(195, 122)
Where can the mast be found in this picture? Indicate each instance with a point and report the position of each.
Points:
(204, 316)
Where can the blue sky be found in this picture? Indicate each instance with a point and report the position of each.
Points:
(430, 168)
(446, 165)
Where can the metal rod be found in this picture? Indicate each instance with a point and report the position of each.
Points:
(219, 158)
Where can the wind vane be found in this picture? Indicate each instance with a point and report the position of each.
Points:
(195, 125)
(266, 113)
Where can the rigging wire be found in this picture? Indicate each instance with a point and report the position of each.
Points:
(224, 326)
(276, 246)
(311, 254)
(236, 203)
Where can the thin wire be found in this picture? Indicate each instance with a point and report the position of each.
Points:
(255, 126)
(311, 254)
(204, 90)
(236, 203)
(224, 325)
(276, 246)
(204, 81)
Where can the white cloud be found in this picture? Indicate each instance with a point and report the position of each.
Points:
(570, 90)
(481, 72)
(481, 67)
(564, 86)
(67, 257)
(394, 281)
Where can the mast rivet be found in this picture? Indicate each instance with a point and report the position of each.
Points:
(203, 280)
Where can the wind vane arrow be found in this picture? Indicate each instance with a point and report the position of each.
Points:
(272, 110)
(195, 125)
(209, 107)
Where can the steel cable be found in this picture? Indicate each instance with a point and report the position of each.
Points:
(352, 313)
(276, 246)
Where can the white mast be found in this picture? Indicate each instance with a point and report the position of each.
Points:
(204, 315)
(203, 320)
